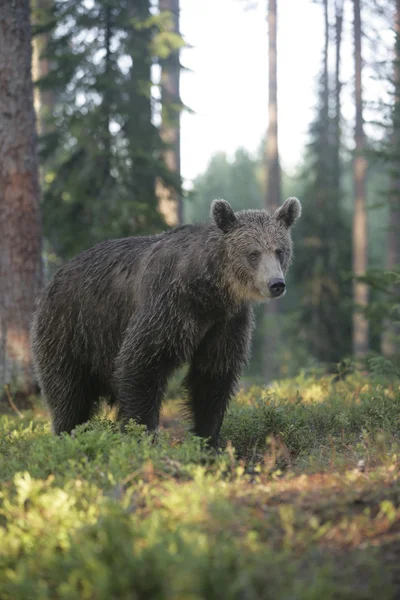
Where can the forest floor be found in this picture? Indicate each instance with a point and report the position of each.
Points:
(304, 502)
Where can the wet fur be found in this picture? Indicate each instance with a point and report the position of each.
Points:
(117, 320)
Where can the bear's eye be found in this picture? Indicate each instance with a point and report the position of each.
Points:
(254, 256)
(279, 254)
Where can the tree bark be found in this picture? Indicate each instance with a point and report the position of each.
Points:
(338, 89)
(273, 198)
(326, 72)
(360, 233)
(170, 202)
(20, 232)
(390, 339)
(140, 131)
(106, 106)
(43, 98)
(273, 192)
(326, 156)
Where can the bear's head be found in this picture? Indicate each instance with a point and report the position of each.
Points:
(258, 247)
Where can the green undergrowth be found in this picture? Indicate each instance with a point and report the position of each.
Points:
(302, 503)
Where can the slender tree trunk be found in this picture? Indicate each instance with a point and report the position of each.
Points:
(338, 89)
(390, 338)
(323, 181)
(170, 197)
(273, 195)
(20, 234)
(326, 157)
(273, 198)
(107, 94)
(141, 131)
(43, 98)
(335, 142)
(360, 233)
(326, 94)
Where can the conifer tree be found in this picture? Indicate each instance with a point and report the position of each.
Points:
(323, 242)
(171, 205)
(360, 227)
(103, 155)
(20, 232)
(391, 335)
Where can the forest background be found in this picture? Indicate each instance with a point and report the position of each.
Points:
(104, 80)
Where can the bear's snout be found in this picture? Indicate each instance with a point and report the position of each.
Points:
(277, 287)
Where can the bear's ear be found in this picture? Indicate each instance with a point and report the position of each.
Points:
(223, 215)
(289, 212)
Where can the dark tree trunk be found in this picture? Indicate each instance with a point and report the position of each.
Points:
(360, 234)
(107, 92)
(20, 234)
(273, 195)
(326, 71)
(170, 196)
(390, 339)
(338, 88)
(273, 198)
(326, 158)
(141, 131)
(43, 98)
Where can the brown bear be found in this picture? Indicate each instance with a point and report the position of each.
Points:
(117, 320)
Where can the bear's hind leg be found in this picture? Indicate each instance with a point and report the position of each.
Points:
(71, 401)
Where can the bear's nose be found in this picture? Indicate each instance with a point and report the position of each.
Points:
(276, 286)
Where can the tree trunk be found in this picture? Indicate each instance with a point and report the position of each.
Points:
(20, 234)
(326, 95)
(106, 106)
(390, 339)
(273, 198)
(170, 197)
(338, 89)
(273, 195)
(360, 234)
(335, 126)
(43, 98)
(140, 131)
(326, 157)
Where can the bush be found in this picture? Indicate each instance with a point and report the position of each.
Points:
(298, 505)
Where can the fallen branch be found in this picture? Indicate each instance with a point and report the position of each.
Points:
(11, 401)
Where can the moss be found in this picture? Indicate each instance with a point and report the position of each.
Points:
(304, 502)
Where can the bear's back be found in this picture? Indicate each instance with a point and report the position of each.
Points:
(88, 304)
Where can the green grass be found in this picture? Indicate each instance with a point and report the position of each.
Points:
(304, 502)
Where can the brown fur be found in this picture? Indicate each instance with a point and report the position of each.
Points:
(118, 319)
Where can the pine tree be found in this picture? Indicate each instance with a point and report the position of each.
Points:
(171, 205)
(20, 234)
(391, 336)
(234, 180)
(339, 5)
(104, 154)
(273, 195)
(360, 227)
(323, 241)
(43, 96)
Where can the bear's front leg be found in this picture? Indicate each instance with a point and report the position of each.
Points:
(209, 395)
(143, 367)
(214, 373)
